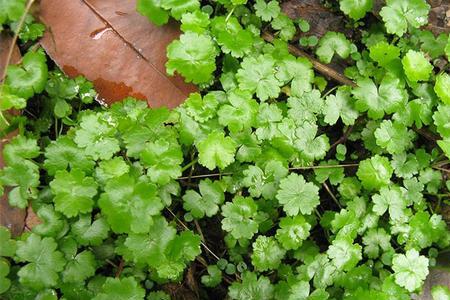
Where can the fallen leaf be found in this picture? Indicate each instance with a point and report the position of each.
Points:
(109, 43)
(5, 44)
(12, 218)
(31, 219)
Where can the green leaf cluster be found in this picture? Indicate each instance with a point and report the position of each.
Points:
(276, 182)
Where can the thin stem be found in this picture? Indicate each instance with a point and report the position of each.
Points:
(426, 134)
(56, 127)
(189, 165)
(290, 169)
(318, 214)
(343, 138)
(111, 263)
(199, 229)
(202, 261)
(327, 188)
(444, 251)
(16, 35)
(441, 169)
(30, 113)
(61, 128)
(230, 14)
(204, 176)
(4, 118)
(437, 208)
(120, 268)
(330, 91)
(442, 163)
(324, 167)
(187, 228)
(438, 195)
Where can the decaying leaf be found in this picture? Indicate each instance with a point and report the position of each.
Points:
(5, 44)
(112, 45)
(13, 218)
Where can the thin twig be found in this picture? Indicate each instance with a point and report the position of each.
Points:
(230, 14)
(204, 246)
(441, 169)
(442, 163)
(327, 188)
(16, 36)
(111, 263)
(290, 169)
(202, 261)
(120, 268)
(343, 138)
(199, 229)
(324, 167)
(189, 165)
(426, 134)
(318, 214)
(187, 228)
(204, 176)
(321, 68)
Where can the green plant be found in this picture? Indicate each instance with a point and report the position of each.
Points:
(274, 182)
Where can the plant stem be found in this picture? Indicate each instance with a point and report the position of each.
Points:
(324, 167)
(187, 228)
(16, 36)
(327, 188)
(441, 169)
(230, 14)
(204, 176)
(290, 169)
(189, 165)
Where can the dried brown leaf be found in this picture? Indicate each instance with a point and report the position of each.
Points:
(112, 45)
(5, 44)
(10, 217)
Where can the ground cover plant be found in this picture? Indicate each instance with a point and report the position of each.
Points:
(272, 182)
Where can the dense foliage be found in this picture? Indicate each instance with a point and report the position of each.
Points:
(272, 182)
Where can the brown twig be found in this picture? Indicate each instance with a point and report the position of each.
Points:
(187, 228)
(441, 169)
(343, 138)
(327, 188)
(426, 134)
(321, 68)
(442, 163)
(16, 36)
(120, 268)
(111, 263)
(198, 258)
(200, 232)
(324, 167)
(290, 169)
(203, 176)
